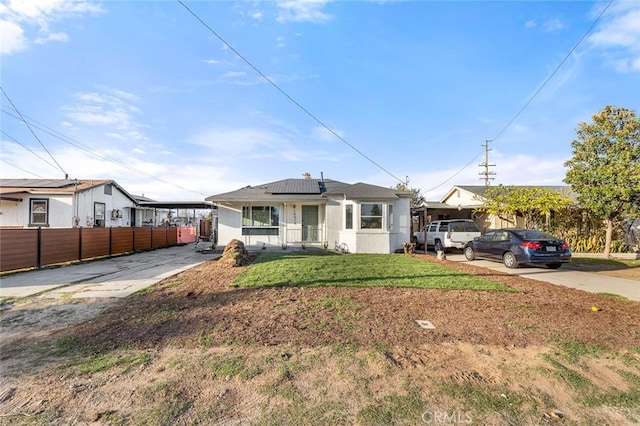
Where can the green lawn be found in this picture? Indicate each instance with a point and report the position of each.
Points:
(357, 270)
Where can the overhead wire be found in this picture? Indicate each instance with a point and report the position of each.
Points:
(32, 132)
(56, 134)
(286, 95)
(535, 94)
(20, 168)
(27, 148)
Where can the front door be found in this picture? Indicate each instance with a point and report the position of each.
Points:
(310, 223)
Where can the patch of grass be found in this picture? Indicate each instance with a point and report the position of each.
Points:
(485, 398)
(169, 401)
(613, 398)
(62, 347)
(613, 296)
(572, 350)
(342, 303)
(109, 360)
(394, 409)
(235, 366)
(206, 337)
(575, 380)
(304, 412)
(357, 270)
(605, 264)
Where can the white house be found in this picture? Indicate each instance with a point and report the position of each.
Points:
(64, 203)
(316, 212)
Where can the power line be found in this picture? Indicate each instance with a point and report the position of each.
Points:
(554, 72)
(286, 95)
(73, 142)
(20, 168)
(27, 148)
(510, 122)
(32, 132)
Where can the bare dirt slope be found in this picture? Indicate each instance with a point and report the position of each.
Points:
(195, 349)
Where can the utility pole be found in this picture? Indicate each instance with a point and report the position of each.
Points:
(486, 173)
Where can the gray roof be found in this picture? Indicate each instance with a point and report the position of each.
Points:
(290, 190)
(365, 191)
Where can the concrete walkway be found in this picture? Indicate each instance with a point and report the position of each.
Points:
(114, 277)
(588, 281)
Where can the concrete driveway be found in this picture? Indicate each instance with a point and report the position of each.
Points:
(114, 277)
(588, 281)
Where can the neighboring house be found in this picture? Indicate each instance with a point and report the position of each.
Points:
(462, 201)
(316, 212)
(65, 203)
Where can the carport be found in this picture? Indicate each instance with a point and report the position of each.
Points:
(206, 229)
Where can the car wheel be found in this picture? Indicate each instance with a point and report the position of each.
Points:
(469, 253)
(509, 260)
(554, 265)
(438, 246)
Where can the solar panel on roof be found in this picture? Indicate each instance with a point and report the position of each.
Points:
(35, 183)
(294, 186)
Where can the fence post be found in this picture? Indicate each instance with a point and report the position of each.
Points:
(166, 236)
(133, 240)
(80, 243)
(39, 245)
(110, 240)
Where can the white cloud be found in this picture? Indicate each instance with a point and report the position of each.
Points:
(509, 169)
(618, 36)
(530, 24)
(114, 109)
(302, 11)
(554, 24)
(20, 17)
(12, 38)
(61, 37)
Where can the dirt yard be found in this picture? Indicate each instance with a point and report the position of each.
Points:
(196, 350)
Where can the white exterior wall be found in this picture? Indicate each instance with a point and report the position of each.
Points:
(16, 213)
(331, 218)
(229, 223)
(462, 197)
(84, 207)
(334, 223)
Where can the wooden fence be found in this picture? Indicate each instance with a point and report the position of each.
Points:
(34, 248)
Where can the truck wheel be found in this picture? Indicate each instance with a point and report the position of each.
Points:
(438, 246)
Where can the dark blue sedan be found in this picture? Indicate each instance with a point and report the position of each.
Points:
(517, 246)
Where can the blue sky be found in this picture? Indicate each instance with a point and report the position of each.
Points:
(143, 93)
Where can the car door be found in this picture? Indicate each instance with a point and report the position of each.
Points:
(483, 244)
(499, 244)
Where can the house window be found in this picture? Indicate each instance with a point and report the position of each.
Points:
(107, 189)
(371, 216)
(390, 217)
(39, 212)
(348, 218)
(98, 214)
(260, 220)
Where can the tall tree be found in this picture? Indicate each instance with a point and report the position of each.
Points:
(416, 197)
(605, 168)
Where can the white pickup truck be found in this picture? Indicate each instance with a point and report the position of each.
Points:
(444, 234)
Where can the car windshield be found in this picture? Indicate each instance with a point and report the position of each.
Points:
(531, 234)
(463, 227)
